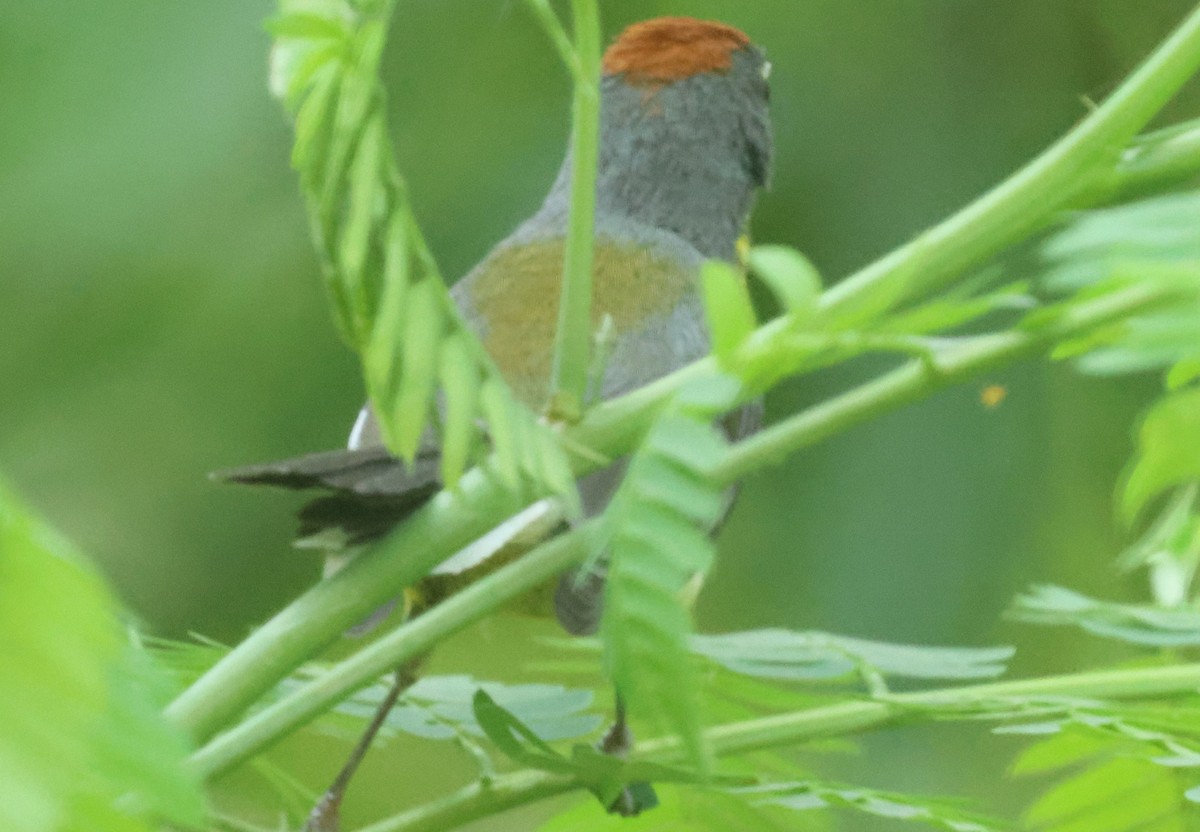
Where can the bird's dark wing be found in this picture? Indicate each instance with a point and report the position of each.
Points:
(361, 471)
(371, 490)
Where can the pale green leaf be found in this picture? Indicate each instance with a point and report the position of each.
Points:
(789, 275)
(785, 654)
(409, 407)
(728, 308)
(460, 383)
(1168, 451)
(1145, 625)
(938, 814)
(657, 532)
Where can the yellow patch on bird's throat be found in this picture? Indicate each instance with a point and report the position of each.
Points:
(516, 292)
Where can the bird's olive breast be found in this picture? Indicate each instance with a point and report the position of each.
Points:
(511, 299)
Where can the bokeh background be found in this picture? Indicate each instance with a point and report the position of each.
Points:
(161, 316)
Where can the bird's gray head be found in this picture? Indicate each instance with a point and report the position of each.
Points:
(685, 135)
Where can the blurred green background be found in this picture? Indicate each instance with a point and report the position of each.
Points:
(161, 315)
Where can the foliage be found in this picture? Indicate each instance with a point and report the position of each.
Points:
(1124, 769)
(388, 296)
(1116, 289)
(82, 741)
(1118, 292)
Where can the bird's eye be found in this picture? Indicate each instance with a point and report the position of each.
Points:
(766, 70)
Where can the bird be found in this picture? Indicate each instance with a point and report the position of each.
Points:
(685, 146)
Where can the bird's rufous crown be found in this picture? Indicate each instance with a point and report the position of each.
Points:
(670, 49)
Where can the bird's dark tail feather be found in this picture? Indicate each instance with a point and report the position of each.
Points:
(371, 489)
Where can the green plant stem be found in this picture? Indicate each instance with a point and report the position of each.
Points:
(1156, 161)
(1032, 196)
(909, 383)
(529, 786)
(553, 28)
(919, 378)
(1086, 167)
(318, 618)
(401, 645)
(574, 334)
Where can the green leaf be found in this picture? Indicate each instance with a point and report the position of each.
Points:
(410, 404)
(1120, 794)
(792, 279)
(389, 301)
(1168, 451)
(1123, 768)
(1170, 549)
(460, 382)
(939, 814)
(1147, 626)
(437, 704)
(82, 741)
(306, 26)
(603, 774)
(514, 738)
(1154, 242)
(785, 654)
(686, 810)
(657, 530)
(1184, 372)
(954, 311)
(728, 308)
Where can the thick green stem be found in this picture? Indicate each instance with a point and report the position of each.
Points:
(319, 616)
(401, 645)
(918, 378)
(1033, 195)
(1158, 160)
(574, 334)
(524, 787)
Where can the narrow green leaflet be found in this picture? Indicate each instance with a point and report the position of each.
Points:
(1120, 775)
(1170, 548)
(1168, 452)
(83, 745)
(423, 368)
(958, 308)
(790, 655)
(792, 279)
(435, 708)
(727, 305)
(603, 774)
(442, 707)
(1163, 229)
(656, 530)
(1154, 241)
(1144, 625)
(938, 814)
